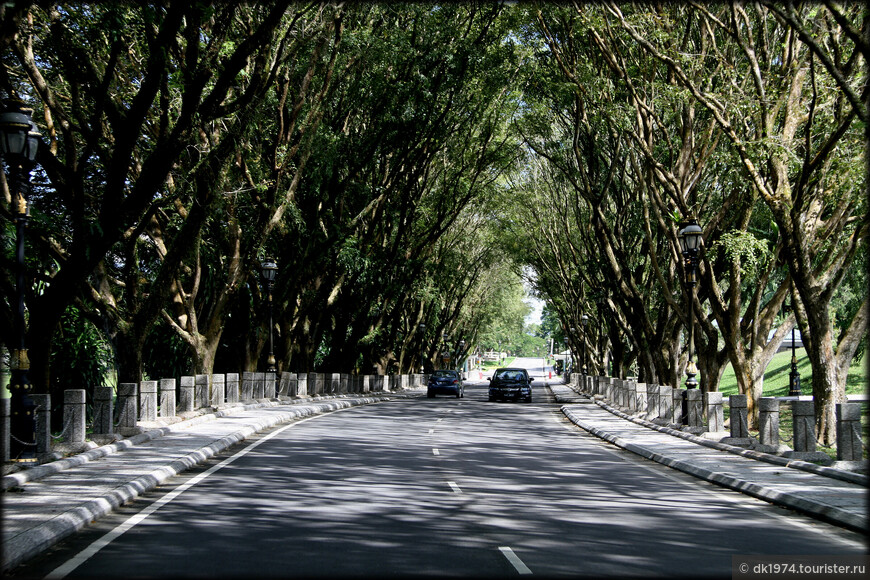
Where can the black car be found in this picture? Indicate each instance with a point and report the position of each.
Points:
(509, 384)
(445, 383)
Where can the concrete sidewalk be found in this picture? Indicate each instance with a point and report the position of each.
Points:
(44, 504)
(832, 495)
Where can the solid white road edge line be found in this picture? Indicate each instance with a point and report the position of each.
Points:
(70, 565)
(514, 560)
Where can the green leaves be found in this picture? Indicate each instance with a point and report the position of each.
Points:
(742, 248)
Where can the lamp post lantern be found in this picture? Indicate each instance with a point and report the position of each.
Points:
(18, 142)
(690, 244)
(269, 269)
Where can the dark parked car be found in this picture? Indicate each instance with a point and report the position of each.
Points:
(445, 383)
(510, 385)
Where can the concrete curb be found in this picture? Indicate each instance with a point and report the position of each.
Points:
(31, 542)
(822, 511)
(842, 475)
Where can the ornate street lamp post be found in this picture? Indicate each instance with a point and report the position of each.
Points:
(565, 362)
(422, 329)
(690, 244)
(573, 347)
(445, 351)
(18, 142)
(794, 377)
(269, 268)
(460, 348)
(585, 320)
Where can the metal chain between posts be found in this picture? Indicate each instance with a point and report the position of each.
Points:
(20, 442)
(62, 433)
(96, 414)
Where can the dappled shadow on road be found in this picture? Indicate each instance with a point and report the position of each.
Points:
(363, 493)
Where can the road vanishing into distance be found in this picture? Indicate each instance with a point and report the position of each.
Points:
(443, 487)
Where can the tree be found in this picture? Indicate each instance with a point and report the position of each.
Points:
(792, 127)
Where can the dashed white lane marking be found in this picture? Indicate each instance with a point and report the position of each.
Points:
(431, 431)
(454, 487)
(439, 420)
(514, 560)
(435, 451)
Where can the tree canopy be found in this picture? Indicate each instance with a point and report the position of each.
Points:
(406, 163)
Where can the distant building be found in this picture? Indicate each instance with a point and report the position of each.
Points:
(786, 342)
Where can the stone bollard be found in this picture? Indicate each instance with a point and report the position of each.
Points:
(366, 383)
(803, 426)
(232, 387)
(344, 383)
(103, 416)
(849, 445)
(804, 433)
(641, 394)
(247, 394)
(218, 390)
(269, 385)
(739, 421)
(186, 399)
(302, 385)
(665, 413)
(679, 400)
(126, 407)
(695, 400)
(653, 392)
(167, 397)
(715, 413)
(4, 428)
(284, 388)
(768, 422)
(631, 396)
(42, 405)
(200, 393)
(609, 390)
(259, 386)
(148, 401)
(74, 416)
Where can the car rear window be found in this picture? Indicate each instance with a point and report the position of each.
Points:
(444, 374)
(510, 375)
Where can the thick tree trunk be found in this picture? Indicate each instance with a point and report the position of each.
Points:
(827, 391)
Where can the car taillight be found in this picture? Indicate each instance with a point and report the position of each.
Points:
(455, 381)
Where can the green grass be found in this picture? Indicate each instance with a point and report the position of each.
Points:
(776, 376)
(776, 385)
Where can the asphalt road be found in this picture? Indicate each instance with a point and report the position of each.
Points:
(443, 487)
